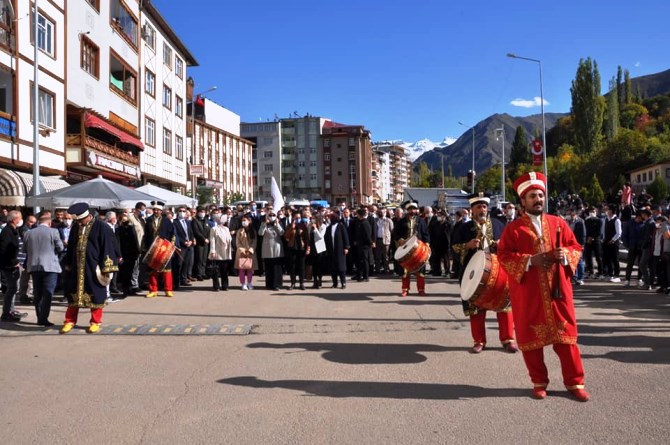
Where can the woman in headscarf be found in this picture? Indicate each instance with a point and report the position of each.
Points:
(220, 251)
(245, 260)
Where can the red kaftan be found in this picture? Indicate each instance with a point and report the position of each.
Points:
(539, 319)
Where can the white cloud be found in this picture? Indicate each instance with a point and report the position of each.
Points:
(637, 64)
(525, 103)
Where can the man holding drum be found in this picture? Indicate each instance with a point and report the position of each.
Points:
(540, 254)
(479, 236)
(411, 237)
(158, 226)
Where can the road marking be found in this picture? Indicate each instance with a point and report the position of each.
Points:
(145, 329)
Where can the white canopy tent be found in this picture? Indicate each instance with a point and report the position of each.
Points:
(171, 199)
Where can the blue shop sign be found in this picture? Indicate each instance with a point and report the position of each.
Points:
(7, 127)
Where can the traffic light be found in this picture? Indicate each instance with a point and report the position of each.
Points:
(470, 176)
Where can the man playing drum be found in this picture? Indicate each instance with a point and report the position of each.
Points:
(541, 254)
(482, 233)
(159, 226)
(412, 225)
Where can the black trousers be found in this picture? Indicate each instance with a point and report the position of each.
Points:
(220, 275)
(611, 259)
(296, 266)
(591, 250)
(273, 273)
(363, 262)
(200, 253)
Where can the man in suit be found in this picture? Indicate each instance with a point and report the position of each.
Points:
(337, 246)
(43, 245)
(363, 243)
(138, 222)
(201, 251)
(12, 257)
(185, 242)
(349, 224)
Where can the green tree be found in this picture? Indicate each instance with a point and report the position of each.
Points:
(205, 195)
(658, 190)
(520, 152)
(489, 181)
(587, 106)
(594, 194)
(423, 176)
(620, 87)
(631, 113)
(628, 88)
(612, 124)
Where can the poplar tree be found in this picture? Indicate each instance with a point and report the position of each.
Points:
(628, 99)
(621, 92)
(612, 124)
(520, 152)
(587, 106)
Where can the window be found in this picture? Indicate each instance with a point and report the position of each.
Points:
(167, 97)
(326, 143)
(352, 155)
(124, 21)
(150, 83)
(267, 181)
(267, 168)
(179, 147)
(90, 57)
(122, 78)
(149, 35)
(46, 34)
(301, 163)
(150, 131)
(178, 106)
(312, 176)
(167, 55)
(312, 150)
(351, 142)
(95, 4)
(326, 156)
(46, 104)
(339, 173)
(326, 183)
(267, 154)
(312, 163)
(644, 177)
(179, 67)
(326, 170)
(267, 141)
(167, 141)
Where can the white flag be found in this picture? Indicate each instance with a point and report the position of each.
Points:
(277, 199)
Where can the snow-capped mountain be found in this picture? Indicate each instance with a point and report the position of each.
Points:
(422, 146)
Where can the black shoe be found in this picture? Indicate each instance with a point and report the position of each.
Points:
(302, 287)
(9, 317)
(292, 286)
(186, 284)
(46, 324)
(334, 285)
(25, 300)
(344, 286)
(366, 279)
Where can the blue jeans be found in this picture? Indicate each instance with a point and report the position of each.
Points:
(11, 278)
(580, 268)
(44, 285)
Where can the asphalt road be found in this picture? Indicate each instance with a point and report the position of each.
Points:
(329, 366)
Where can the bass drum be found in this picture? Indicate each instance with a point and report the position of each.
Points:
(159, 254)
(412, 255)
(485, 284)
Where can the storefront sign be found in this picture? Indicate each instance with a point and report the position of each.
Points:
(98, 160)
(7, 127)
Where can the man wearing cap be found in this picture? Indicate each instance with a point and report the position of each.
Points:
(89, 264)
(408, 226)
(482, 233)
(540, 254)
(159, 226)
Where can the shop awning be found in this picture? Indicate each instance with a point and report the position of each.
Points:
(93, 121)
(15, 186)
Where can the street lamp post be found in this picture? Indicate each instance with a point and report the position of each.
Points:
(500, 132)
(473, 153)
(193, 161)
(544, 133)
(36, 110)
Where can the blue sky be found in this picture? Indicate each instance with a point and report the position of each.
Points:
(410, 69)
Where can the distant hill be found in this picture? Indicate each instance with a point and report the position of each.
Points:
(458, 155)
(652, 85)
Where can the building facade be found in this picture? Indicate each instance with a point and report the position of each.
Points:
(267, 156)
(224, 157)
(163, 61)
(17, 81)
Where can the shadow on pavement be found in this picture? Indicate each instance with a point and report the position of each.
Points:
(388, 390)
(423, 301)
(364, 353)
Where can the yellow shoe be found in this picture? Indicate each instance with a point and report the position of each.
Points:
(169, 294)
(152, 294)
(67, 327)
(95, 327)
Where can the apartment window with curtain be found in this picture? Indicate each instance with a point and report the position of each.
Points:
(179, 67)
(150, 83)
(167, 97)
(167, 55)
(167, 141)
(179, 147)
(150, 131)
(124, 22)
(122, 78)
(46, 102)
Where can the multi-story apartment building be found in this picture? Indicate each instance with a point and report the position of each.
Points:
(347, 160)
(302, 163)
(267, 155)
(103, 91)
(17, 81)
(393, 172)
(380, 173)
(225, 156)
(163, 62)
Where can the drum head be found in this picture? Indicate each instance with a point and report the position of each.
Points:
(473, 275)
(406, 248)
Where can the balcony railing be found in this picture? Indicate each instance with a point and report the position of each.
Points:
(75, 140)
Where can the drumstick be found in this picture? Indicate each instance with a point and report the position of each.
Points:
(559, 268)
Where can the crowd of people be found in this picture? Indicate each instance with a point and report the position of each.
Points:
(99, 258)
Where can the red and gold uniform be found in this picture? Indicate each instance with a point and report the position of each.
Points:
(543, 317)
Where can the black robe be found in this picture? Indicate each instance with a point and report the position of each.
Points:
(89, 247)
(335, 247)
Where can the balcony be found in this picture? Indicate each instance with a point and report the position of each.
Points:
(288, 157)
(288, 131)
(75, 140)
(288, 144)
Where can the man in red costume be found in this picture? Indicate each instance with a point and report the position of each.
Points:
(540, 254)
(159, 226)
(411, 225)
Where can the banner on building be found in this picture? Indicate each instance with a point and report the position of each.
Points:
(277, 199)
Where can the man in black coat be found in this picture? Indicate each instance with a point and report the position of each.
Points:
(11, 258)
(349, 223)
(201, 230)
(337, 246)
(184, 242)
(363, 243)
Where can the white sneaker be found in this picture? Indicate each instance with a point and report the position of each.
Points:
(615, 280)
(579, 282)
(244, 287)
(250, 286)
(640, 283)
